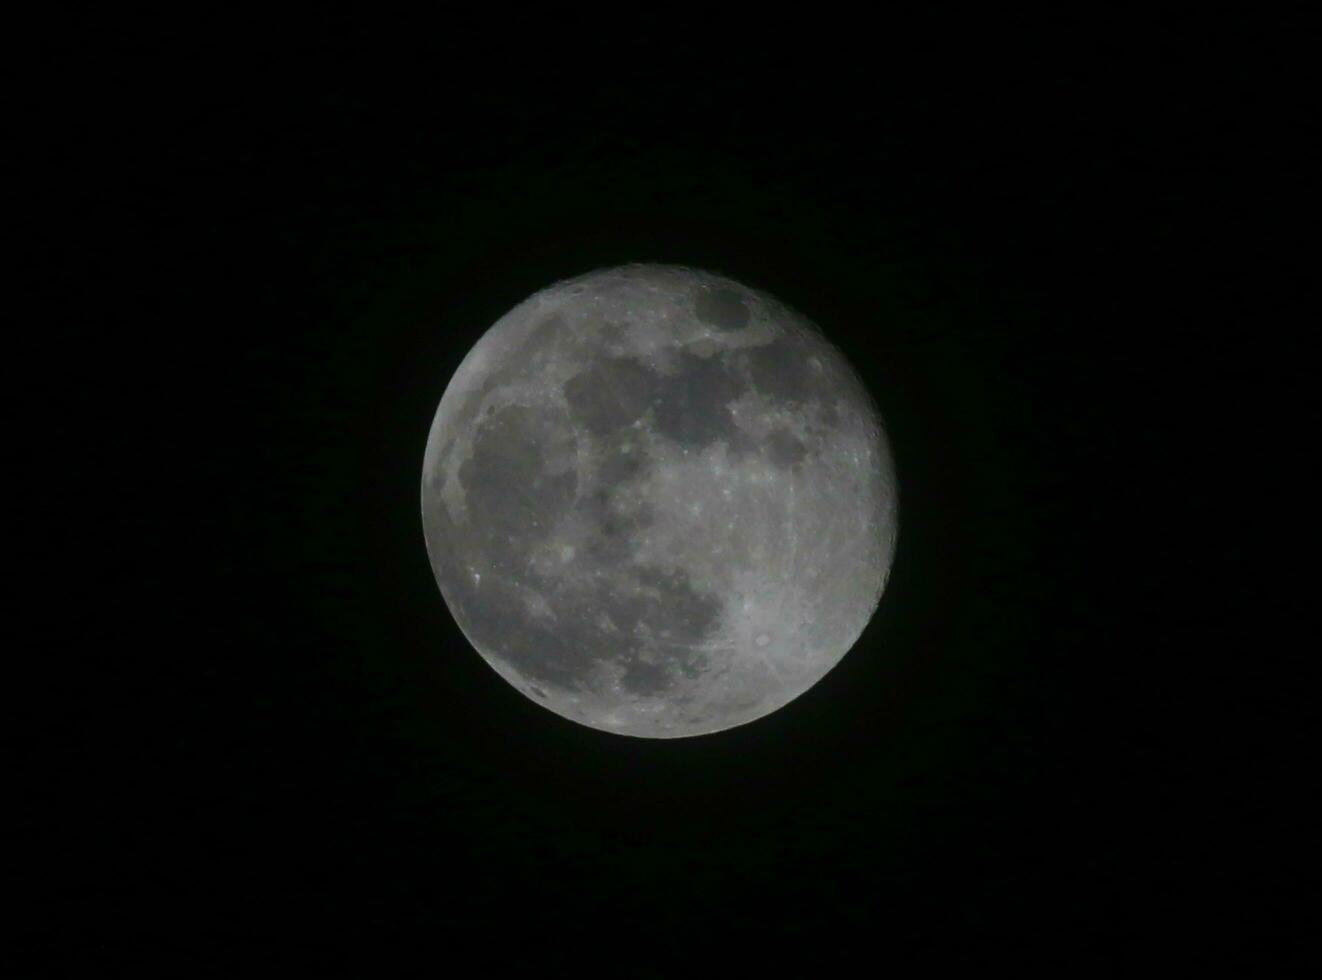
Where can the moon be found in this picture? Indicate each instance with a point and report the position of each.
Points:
(658, 502)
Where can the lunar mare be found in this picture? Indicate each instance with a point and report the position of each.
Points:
(658, 502)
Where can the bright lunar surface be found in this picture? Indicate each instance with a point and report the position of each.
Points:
(658, 503)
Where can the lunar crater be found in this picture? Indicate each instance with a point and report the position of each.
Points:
(722, 307)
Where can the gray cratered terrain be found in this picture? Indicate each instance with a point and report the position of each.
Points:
(658, 503)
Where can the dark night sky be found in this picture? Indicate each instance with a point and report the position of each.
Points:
(269, 259)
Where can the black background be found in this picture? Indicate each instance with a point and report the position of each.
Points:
(270, 256)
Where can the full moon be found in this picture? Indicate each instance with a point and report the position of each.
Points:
(658, 502)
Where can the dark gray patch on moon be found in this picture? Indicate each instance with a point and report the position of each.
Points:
(513, 500)
(622, 460)
(722, 308)
(784, 449)
(779, 371)
(642, 616)
(615, 527)
(550, 334)
(666, 613)
(646, 678)
(692, 407)
(556, 652)
(666, 604)
(611, 394)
